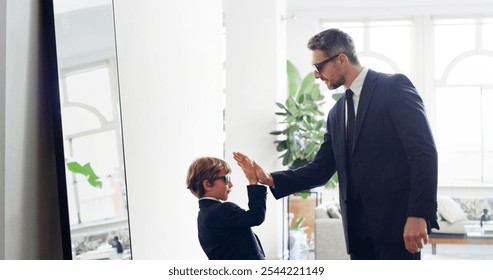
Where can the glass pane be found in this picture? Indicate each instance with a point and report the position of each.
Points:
(378, 54)
(89, 149)
(78, 119)
(487, 103)
(399, 51)
(473, 70)
(92, 88)
(377, 64)
(98, 204)
(449, 45)
(487, 32)
(458, 135)
(354, 29)
(302, 224)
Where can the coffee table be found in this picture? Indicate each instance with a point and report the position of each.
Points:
(474, 234)
(478, 232)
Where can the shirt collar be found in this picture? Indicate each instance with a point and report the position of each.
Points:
(357, 84)
(210, 198)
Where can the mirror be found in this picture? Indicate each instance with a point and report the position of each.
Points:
(96, 207)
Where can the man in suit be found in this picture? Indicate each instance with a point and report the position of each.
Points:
(379, 141)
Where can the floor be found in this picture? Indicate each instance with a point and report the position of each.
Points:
(459, 252)
(444, 252)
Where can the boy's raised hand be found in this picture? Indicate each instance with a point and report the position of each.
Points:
(248, 167)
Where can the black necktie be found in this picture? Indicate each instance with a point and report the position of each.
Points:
(350, 123)
(349, 142)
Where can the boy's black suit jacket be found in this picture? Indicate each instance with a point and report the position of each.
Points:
(225, 228)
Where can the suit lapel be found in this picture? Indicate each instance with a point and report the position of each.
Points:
(364, 103)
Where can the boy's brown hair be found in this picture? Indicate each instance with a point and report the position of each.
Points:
(204, 168)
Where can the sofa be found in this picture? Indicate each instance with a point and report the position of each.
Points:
(454, 213)
(329, 234)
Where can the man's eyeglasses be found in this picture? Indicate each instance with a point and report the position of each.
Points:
(318, 66)
(227, 179)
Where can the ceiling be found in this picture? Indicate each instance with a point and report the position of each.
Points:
(335, 4)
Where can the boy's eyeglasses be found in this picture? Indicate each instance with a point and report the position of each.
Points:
(318, 66)
(227, 179)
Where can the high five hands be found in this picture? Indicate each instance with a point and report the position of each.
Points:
(248, 168)
(248, 165)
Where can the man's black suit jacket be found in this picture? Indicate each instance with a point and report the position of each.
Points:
(394, 159)
(225, 229)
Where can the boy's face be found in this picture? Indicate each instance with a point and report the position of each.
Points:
(219, 189)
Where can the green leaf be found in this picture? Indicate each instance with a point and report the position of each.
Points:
(307, 83)
(293, 78)
(282, 146)
(95, 182)
(285, 160)
(333, 182)
(315, 94)
(75, 167)
(337, 95)
(87, 171)
(299, 222)
(311, 150)
(301, 98)
(280, 105)
(304, 195)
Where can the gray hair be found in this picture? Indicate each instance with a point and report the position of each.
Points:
(334, 41)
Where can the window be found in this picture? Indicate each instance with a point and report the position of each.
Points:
(463, 90)
(457, 91)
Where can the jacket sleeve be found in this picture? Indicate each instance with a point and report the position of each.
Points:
(235, 216)
(314, 174)
(408, 115)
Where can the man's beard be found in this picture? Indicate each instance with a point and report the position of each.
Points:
(337, 84)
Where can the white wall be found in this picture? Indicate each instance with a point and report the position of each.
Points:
(3, 57)
(255, 80)
(28, 188)
(169, 56)
(170, 75)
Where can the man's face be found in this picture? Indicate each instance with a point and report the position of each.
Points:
(330, 72)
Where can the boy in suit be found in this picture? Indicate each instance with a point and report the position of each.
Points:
(225, 228)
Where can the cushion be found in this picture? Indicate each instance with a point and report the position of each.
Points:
(333, 209)
(473, 207)
(439, 217)
(321, 212)
(334, 212)
(450, 210)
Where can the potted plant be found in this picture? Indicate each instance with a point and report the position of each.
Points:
(303, 121)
